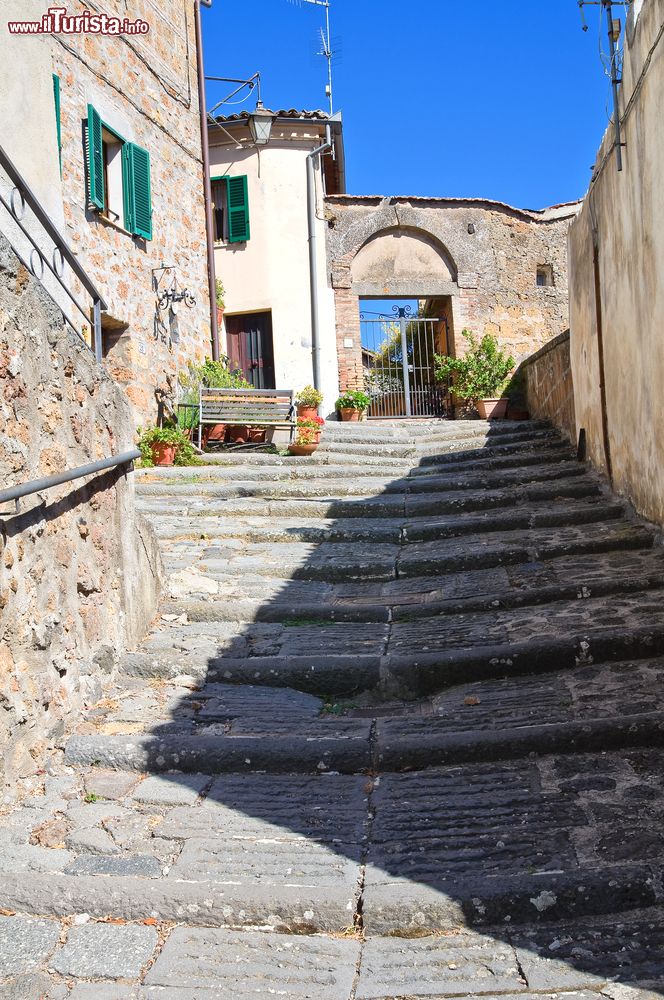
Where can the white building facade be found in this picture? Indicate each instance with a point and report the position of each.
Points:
(262, 248)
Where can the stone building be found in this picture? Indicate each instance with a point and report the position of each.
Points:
(109, 137)
(469, 263)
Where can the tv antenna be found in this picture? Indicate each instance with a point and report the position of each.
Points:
(615, 68)
(326, 45)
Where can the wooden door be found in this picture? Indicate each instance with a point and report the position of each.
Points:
(250, 348)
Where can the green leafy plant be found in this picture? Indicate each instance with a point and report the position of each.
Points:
(220, 292)
(173, 436)
(308, 431)
(309, 397)
(213, 375)
(481, 373)
(353, 399)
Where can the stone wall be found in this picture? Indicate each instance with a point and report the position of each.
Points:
(617, 283)
(548, 387)
(79, 570)
(145, 89)
(479, 258)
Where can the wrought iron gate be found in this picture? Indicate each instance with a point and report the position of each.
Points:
(398, 361)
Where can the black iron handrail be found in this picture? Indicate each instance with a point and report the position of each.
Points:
(21, 195)
(47, 482)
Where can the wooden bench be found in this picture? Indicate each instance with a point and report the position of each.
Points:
(253, 407)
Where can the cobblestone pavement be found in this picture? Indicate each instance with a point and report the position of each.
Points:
(397, 733)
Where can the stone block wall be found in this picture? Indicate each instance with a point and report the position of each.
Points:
(478, 259)
(145, 88)
(548, 386)
(79, 570)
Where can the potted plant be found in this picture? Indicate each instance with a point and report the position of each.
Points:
(214, 375)
(307, 437)
(352, 404)
(307, 402)
(165, 446)
(480, 376)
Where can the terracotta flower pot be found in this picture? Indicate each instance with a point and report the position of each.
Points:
(163, 454)
(301, 449)
(239, 434)
(492, 409)
(349, 413)
(256, 435)
(307, 412)
(214, 434)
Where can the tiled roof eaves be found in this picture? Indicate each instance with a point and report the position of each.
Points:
(542, 215)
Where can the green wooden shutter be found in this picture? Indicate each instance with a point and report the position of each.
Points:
(95, 159)
(56, 98)
(137, 190)
(238, 209)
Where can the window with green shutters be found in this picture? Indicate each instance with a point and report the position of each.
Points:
(137, 192)
(96, 188)
(237, 195)
(58, 125)
(119, 171)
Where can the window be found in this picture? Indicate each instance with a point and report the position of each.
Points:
(118, 178)
(545, 276)
(230, 209)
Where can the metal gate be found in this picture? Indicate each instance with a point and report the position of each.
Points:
(398, 362)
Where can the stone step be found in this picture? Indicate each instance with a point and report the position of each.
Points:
(372, 510)
(220, 728)
(551, 446)
(552, 838)
(577, 959)
(199, 521)
(382, 498)
(434, 444)
(299, 656)
(416, 430)
(483, 460)
(512, 587)
(213, 562)
(421, 480)
(251, 459)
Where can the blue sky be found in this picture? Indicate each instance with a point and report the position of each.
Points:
(470, 98)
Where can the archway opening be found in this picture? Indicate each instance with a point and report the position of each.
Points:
(400, 339)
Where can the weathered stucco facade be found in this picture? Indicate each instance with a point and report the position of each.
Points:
(479, 259)
(266, 277)
(144, 88)
(79, 571)
(617, 282)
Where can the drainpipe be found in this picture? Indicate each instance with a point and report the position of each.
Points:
(207, 186)
(599, 320)
(313, 259)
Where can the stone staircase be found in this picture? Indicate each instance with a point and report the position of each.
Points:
(398, 732)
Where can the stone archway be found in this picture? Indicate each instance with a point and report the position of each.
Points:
(396, 261)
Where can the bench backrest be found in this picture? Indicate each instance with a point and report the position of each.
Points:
(246, 406)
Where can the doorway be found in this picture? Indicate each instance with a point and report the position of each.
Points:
(400, 339)
(250, 348)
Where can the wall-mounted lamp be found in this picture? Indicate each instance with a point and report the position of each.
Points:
(171, 297)
(260, 124)
(260, 120)
(169, 294)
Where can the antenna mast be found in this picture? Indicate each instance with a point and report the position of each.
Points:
(326, 50)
